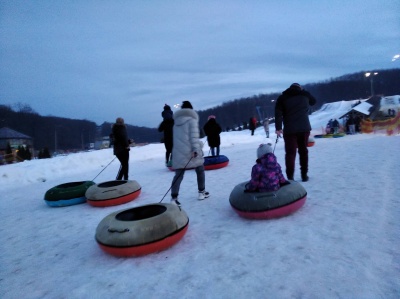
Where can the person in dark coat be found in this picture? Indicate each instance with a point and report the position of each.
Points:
(335, 125)
(121, 147)
(252, 124)
(167, 126)
(212, 129)
(292, 109)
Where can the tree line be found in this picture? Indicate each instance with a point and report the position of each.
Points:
(236, 113)
(61, 134)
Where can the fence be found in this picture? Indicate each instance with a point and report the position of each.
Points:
(390, 126)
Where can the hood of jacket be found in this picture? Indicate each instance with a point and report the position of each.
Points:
(290, 92)
(184, 115)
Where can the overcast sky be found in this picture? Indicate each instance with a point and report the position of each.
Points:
(99, 60)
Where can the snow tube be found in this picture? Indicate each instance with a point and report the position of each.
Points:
(215, 162)
(142, 230)
(267, 205)
(113, 193)
(210, 163)
(311, 141)
(67, 194)
(330, 135)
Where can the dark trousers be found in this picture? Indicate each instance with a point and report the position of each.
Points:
(168, 151)
(123, 157)
(168, 156)
(213, 150)
(179, 173)
(296, 142)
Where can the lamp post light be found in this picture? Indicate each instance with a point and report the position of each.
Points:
(371, 76)
(395, 57)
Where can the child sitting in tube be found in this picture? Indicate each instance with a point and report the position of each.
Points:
(266, 174)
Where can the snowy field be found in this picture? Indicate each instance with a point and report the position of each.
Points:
(343, 243)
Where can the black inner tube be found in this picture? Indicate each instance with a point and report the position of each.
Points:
(69, 185)
(111, 184)
(140, 213)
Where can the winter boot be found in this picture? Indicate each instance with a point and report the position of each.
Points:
(203, 194)
(304, 177)
(174, 200)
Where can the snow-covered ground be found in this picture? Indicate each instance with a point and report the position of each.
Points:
(343, 243)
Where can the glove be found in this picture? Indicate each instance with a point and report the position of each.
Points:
(284, 183)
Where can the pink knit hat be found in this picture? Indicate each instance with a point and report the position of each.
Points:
(211, 116)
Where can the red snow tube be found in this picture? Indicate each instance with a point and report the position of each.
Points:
(266, 205)
(210, 163)
(215, 162)
(142, 230)
(311, 141)
(112, 193)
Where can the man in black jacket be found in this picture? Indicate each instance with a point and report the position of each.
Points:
(292, 109)
(121, 147)
(167, 126)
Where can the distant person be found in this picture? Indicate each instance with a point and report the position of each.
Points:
(292, 109)
(121, 147)
(357, 121)
(166, 126)
(252, 124)
(352, 125)
(187, 151)
(212, 130)
(329, 127)
(335, 125)
(266, 126)
(266, 174)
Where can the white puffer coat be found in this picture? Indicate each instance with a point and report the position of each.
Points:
(186, 139)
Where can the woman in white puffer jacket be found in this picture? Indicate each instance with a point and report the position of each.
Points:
(187, 150)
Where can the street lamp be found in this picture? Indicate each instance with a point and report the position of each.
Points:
(395, 57)
(371, 76)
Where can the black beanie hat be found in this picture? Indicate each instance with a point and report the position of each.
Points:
(296, 86)
(167, 107)
(187, 104)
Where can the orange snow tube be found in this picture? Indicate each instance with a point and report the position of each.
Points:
(142, 230)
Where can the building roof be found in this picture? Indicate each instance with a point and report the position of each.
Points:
(363, 108)
(392, 102)
(7, 133)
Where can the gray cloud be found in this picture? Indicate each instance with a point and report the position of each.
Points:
(98, 60)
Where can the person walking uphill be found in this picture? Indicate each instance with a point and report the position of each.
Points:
(212, 129)
(166, 126)
(187, 150)
(121, 147)
(252, 124)
(292, 109)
